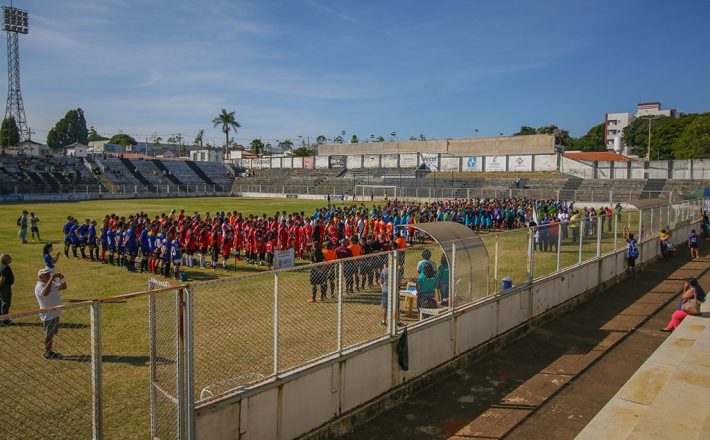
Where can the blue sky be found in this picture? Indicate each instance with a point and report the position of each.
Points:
(307, 67)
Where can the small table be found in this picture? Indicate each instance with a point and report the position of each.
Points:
(410, 296)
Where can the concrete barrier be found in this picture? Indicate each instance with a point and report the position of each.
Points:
(329, 397)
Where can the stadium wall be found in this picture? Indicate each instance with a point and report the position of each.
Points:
(497, 146)
(329, 398)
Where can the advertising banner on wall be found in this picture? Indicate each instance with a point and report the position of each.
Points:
(275, 162)
(449, 164)
(545, 162)
(430, 160)
(309, 162)
(354, 162)
(298, 162)
(520, 163)
(389, 161)
(371, 161)
(472, 163)
(408, 160)
(337, 161)
(321, 162)
(495, 163)
(261, 163)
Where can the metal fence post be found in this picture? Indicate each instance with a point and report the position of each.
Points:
(650, 232)
(394, 297)
(531, 253)
(495, 263)
(581, 239)
(96, 385)
(340, 306)
(559, 245)
(276, 323)
(452, 276)
(180, 364)
(152, 339)
(599, 236)
(189, 366)
(640, 225)
(616, 218)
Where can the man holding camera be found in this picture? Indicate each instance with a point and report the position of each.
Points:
(47, 292)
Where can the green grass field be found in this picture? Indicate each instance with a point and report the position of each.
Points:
(233, 319)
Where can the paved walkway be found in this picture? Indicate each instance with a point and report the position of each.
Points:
(667, 398)
(503, 393)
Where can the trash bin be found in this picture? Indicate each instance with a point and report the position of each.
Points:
(183, 276)
(507, 283)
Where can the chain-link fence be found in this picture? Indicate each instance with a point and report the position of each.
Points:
(215, 337)
(46, 382)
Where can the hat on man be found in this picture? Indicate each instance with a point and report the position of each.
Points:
(44, 271)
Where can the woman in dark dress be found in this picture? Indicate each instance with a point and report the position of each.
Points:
(7, 279)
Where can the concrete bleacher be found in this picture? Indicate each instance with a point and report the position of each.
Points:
(667, 397)
(44, 175)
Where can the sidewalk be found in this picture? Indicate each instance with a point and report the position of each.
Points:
(515, 392)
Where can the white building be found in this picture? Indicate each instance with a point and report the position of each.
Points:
(614, 123)
(207, 155)
(32, 148)
(76, 150)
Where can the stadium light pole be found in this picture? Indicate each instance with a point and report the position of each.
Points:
(399, 159)
(15, 21)
(648, 149)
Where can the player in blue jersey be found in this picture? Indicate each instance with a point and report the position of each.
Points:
(166, 254)
(694, 244)
(176, 250)
(121, 244)
(111, 244)
(131, 247)
(145, 249)
(103, 239)
(67, 234)
(93, 242)
(74, 237)
(81, 232)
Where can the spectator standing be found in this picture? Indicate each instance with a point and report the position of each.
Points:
(47, 294)
(34, 226)
(443, 276)
(49, 260)
(426, 285)
(517, 182)
(7, 279)
(22, 223)
(693, 243)
(384, 273)
(632, 253)
(664, 242)
(317, 276)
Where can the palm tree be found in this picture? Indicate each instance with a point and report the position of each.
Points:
(228, 121)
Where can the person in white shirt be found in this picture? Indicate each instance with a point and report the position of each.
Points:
(47, 293)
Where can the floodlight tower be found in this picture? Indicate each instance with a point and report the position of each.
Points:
(15, 21)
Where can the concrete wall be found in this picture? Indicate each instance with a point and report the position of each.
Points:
(306, 400)
(502, 145)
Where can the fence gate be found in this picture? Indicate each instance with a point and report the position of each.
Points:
(167, 361)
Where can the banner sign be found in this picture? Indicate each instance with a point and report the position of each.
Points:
(284, 259)
(430, 160)
(495, 163)
(337, 161)
(309, 162)
(520, 163)
(472, 163)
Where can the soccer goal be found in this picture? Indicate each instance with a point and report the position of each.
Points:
(371, 192)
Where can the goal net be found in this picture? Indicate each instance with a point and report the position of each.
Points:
(372, 192)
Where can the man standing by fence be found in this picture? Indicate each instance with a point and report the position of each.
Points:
(47, 292)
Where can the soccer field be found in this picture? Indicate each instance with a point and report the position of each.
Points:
(233, 317)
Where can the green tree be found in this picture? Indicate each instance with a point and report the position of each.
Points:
(226, 121)
(592, 141)
(320, 140)
(338, 140)
(302, 152)
(71, 128)
(354, 139)
(122, 139)
(694, 142)
(10, 133)
(380, 139)
(94, 136)
(257, 147)
(285, 144)
(199, 138)
(525, 130)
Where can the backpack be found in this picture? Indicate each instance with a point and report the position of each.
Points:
(633, 250)
(19, 221)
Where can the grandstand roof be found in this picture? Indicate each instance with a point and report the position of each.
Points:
(608, 156)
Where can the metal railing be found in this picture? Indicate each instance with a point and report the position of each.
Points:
(209, 339)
